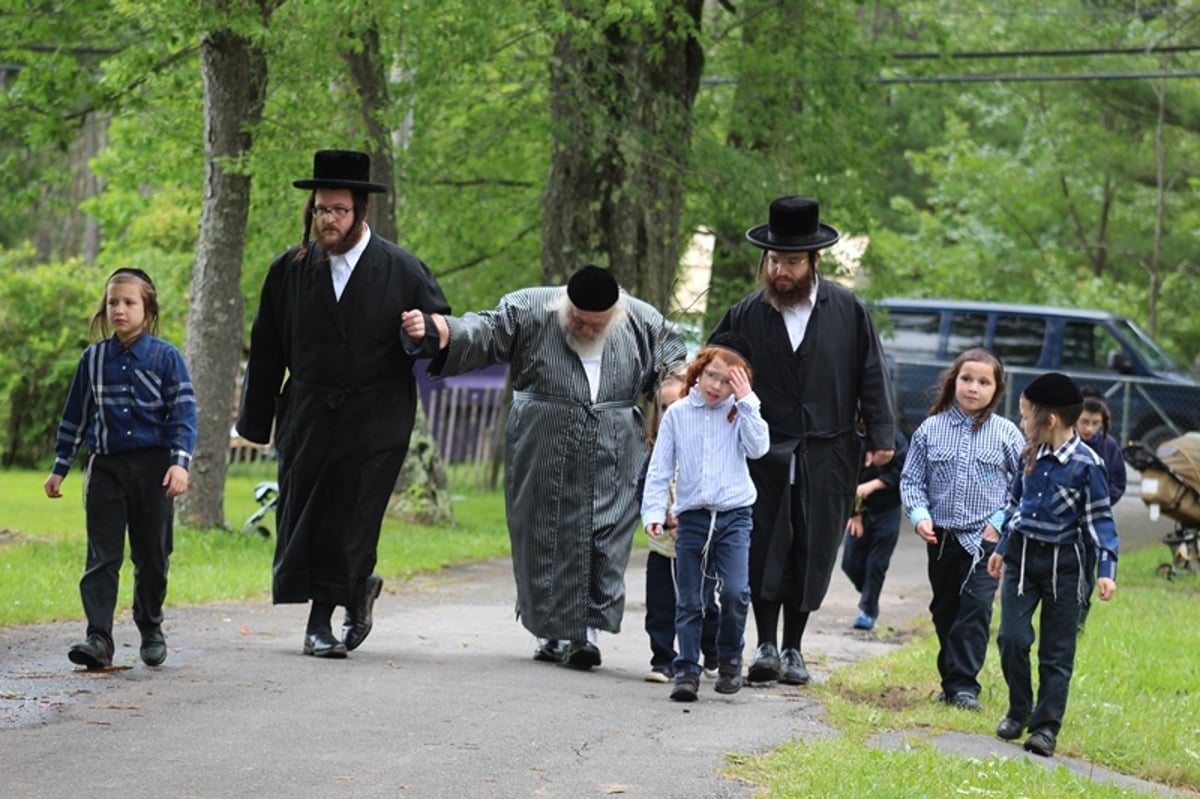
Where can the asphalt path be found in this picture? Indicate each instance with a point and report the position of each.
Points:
(443, 700)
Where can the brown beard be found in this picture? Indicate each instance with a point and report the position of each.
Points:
(787, 297)
(345, 243)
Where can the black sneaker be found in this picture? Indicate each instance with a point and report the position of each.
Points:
(965, 700)
(729, 678)
(687, 688)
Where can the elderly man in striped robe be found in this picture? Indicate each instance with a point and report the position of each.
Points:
(579, 358)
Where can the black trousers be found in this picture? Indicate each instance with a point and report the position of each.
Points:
(1051, 577)
(125, 491)
(660, 615)
(962, 612)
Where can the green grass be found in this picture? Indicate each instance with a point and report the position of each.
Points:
(43, 547)
(1134, 706)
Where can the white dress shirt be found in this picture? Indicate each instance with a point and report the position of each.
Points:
(340, 266)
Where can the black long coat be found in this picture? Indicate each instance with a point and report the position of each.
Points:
(344, 416)
(811, 398)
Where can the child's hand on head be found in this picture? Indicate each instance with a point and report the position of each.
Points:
(739, 381)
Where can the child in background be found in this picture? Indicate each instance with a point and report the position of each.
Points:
(703, 443)
(660, 584)
(1059, 510)
(131, 402)
(1095, 421)
(954, 487)
(872, 532)
(1093, 426)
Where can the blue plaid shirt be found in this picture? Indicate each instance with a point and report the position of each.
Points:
(1064, 499)
(128, 398)
(958, 477)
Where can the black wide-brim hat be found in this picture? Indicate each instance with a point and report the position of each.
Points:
(341, 169)
(794, 225)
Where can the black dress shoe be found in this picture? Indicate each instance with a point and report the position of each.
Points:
(550, 650)
(323, 645)
(766, 666)
(792, 668)
(1041, 742)
(154, 646)
(357, 625)
(581, 655)
(94, 653)
(1010, 729)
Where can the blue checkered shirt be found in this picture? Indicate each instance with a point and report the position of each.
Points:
(128, 398)
(1064, 500)
(958, 477)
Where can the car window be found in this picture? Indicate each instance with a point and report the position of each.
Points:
(1018, 339)
(966, 331)
(913, 334)
(1087, 345)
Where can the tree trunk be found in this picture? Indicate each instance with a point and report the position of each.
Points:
(422, 489)
(621, 101)
(234, 72)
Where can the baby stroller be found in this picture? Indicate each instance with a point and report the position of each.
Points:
(1171, 485)
(267, 495)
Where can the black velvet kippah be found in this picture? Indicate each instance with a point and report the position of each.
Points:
(1053, 390)
(593, 289)
(734, 342)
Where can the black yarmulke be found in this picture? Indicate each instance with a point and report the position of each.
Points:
(593, 289)
(1053, 390)
(734, 342)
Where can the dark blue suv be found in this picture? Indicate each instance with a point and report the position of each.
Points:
(1151, 399)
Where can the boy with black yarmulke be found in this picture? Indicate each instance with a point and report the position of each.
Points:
(1058, 512)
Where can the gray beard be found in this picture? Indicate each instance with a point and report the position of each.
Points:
(587, 347)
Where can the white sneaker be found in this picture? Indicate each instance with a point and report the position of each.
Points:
(654, 675)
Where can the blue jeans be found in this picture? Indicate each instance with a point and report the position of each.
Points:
(660, 615)
(711, 549)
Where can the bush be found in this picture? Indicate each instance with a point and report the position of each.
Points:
(44, 315)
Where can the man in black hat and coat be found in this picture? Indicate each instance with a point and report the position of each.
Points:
(329, 320)
(579, 358)
(818, 367)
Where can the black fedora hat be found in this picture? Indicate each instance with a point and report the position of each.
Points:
(341, 169)
(794, 226)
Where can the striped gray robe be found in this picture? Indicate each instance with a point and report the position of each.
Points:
(571, 465)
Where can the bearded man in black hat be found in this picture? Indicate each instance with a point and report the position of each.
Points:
(579, 358)
(818, 366)
(329, 319)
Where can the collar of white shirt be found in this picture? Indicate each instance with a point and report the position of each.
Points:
(340, 266)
